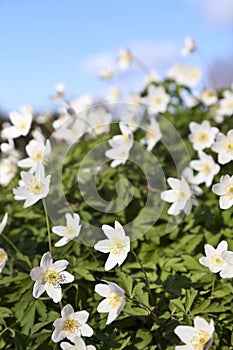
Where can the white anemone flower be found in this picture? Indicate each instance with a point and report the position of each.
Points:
(32, 187)
(60, 92)
(79, 344)
(189, 177)
(3, 222)
(68, 232)
(202, 135)
(114, 301)
(213, 259)
(189, 46)
(99, 120)
(117, 244)
(180, 195)
(206, 167)
(114, 94)
(227, 271)
(185, 74)
(224, 189)
(224, 147)
(37, 151)
(209, 96)
(125, 59)
(153, 134)
(21, 124)
(156, 100)
(121, 145)
(198, 337)
(3, 259)
(71, 130)
(226, 104)
(71, 325)
(49, 276)
(107, 73)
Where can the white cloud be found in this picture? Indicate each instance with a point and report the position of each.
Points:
(219, 11)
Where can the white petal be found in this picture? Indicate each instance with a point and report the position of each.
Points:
(185, 333)
(205, 261)
(66, 277)
(169, 196)
(102, 289)
(103, 246)
(223, 245)
(111, 317)
(63, 241)
(59, 230)
(46, 260)
(228, 257)
(104, 306)
(67, 311)
(58, 335)
(227, 271)
(68, 346)
(36, 273)
(86, 330)
(121, 258)
(38, 289)
(219, 189)
(225, 202)
(81, 316)
(209, 250)
(54, 293)
(174, 183)
(60, 265)
(184, 347)
(224, 158)
(201, 324)
(111, 262)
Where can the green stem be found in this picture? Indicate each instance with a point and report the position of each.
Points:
(213, 285)
(145, 274)
(48, 227)
(11, 243)
(141, 65)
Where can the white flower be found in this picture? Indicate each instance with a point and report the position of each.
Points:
(190, 178)
(3, 223)
(202, 135)
(121, 145)
(151, 78)
(125, 59)
(71, 325)
(107, 73)
(114, 300)
(99, 120)
(224, 147)
(185, 75)
(156, 100)
(3, 259)
(114, 94)
(68, 232)
(213, 259)
(226, 104)
(21, 124)
(71, 130)
(153, 134)
(189, 46)
(32, 187)
(37, 151)
(206, 167)
(180, 196)
(60, 92)
(8, 170)
(49, 276)
(199, 337)
(79, 344)
(224, 189)
(227, 271)
(209, 96)
(117, 244)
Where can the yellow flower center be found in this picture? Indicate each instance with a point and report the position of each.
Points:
(180, 195)
(52, 277)
(229, 146)
(117, 246)
(71, 326)
(2, 256)
(202, 137)
(151, 135)
(22, 126)
(206, 169)
(98, 127)
(230, 105)
(229, 192)
(114, 300)
(217, 260)
(199, 339)
(37, 156)
(34, 186)
(157, 100)
(126, 56)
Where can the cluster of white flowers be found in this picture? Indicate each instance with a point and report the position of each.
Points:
(219, 259)
(3, 254)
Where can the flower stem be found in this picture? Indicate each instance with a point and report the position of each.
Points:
(213, 284)
(141, 65)
(145, 274)
(11, 243)
(48, 227)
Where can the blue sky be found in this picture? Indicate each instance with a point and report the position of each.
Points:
(46, 42)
